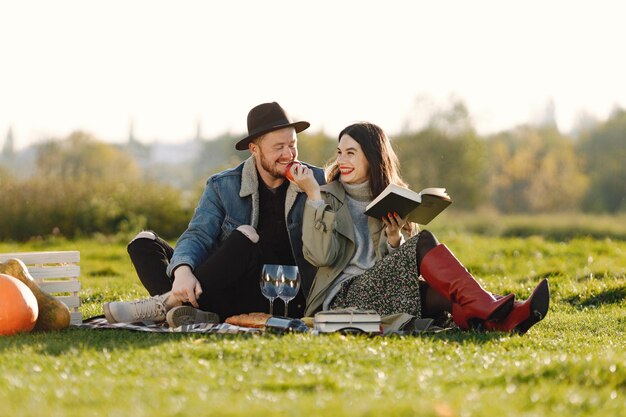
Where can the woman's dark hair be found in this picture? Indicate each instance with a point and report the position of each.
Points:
(383, 162)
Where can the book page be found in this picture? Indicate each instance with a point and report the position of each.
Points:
(439, 192)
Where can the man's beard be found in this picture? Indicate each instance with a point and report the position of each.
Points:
(275, 169)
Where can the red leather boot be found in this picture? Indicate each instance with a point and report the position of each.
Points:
(524, 314)
(471, 304)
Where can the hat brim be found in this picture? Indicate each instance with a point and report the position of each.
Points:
(242, 145)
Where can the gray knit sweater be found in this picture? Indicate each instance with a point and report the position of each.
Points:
(364, 258)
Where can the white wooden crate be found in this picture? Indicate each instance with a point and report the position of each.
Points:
(54, 272)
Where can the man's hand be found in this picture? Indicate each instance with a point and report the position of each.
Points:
(186, 287)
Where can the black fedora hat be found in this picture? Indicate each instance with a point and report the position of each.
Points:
(266, 118)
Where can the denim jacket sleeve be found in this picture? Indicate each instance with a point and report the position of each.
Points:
(203, 233)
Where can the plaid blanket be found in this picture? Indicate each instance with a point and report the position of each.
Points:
(421, 326)
(99, 322)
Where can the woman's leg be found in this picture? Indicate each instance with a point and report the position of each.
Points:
(150, 256)
(434, 305)
(525, 314)
(446, 275)
(393, 293)
(390, 287)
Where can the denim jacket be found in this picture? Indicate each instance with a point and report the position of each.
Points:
(231, 199)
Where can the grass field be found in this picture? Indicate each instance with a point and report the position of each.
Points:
(571, 364)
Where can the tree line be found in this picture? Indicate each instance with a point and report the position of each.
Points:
(528, 169)
(83, 186)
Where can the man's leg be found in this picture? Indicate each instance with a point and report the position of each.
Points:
(150, 256)
(230, 277)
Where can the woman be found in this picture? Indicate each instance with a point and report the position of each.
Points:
(366, 263)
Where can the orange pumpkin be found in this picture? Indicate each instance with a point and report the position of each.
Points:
(18, 306)
(53, 314)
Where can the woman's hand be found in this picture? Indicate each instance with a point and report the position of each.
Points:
(303, 177)
(186, 287)
(393, 226)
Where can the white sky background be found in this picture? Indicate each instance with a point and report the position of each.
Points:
(167, 65)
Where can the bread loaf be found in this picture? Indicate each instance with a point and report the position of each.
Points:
(256, 320)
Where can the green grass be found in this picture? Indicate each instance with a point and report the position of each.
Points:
(571, 364)
(557, 227)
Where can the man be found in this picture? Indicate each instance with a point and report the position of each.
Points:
(248, 216)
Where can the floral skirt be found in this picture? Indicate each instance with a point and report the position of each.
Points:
(389, 287)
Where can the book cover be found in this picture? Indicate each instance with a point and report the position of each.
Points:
(421, 207)
(348, 315)
(337, 327)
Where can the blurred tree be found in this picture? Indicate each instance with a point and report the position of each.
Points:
(41, 206)
(584, 122)
(452, 121)
(81, 156)
(215, 156)
(8, 149)
(449, 154)
(317, 148)
(604, 148)
(535, 169)
(5, 177)
(545, 117)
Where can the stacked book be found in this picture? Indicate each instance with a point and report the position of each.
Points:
(348, 320)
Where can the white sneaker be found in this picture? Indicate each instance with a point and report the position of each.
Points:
(181, 315)
(152, 309)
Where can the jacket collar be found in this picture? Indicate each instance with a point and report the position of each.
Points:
(250, 180)
(335, 189)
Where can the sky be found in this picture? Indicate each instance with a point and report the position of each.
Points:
(167, 67)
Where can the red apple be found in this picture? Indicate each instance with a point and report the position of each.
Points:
(288, 172)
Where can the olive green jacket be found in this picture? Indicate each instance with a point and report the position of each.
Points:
(329, 243)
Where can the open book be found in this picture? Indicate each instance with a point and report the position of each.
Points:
(421, 207)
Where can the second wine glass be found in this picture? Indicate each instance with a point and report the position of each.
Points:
(288, 285)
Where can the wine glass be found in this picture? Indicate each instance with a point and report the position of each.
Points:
(270, 274)
(288, 285)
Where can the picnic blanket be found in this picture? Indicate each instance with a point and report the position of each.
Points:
(100, 322)
(421, 326)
